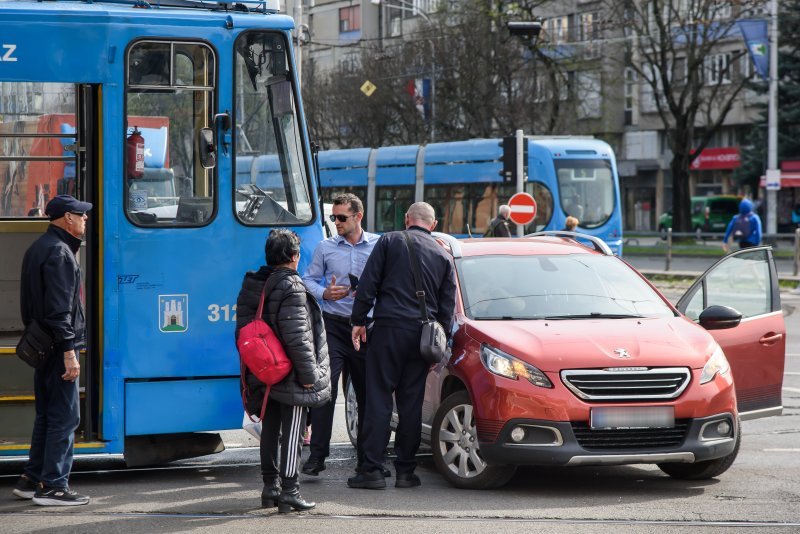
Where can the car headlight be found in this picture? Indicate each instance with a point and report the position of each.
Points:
(716, 364)
(502, 364)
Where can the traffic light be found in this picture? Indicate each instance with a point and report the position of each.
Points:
(509, 158)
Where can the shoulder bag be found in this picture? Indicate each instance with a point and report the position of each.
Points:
(36, 345)
(433, 341)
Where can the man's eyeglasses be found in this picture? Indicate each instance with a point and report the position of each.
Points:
(340, 218)
(78, 213)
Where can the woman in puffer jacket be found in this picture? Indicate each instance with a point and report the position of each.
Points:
(296, 318)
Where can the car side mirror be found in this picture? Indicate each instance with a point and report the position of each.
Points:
(206, 148)
(718, 317)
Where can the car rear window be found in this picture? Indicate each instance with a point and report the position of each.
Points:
(727, 206)
(559, 286)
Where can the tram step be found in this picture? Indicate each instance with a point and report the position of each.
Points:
(16, 377)
(11, 445)
(16, 418)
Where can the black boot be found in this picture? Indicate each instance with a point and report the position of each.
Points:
(290, 499)
(269, 495)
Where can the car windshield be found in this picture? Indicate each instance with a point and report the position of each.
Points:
(576, 286)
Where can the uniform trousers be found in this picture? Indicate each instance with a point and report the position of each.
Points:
(57, 418)
(282, 428)
(394, 365)
(342, 355)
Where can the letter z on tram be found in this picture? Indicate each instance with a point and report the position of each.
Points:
(145, 110)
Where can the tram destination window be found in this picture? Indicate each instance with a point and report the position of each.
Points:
(271, 178)
(170, 97)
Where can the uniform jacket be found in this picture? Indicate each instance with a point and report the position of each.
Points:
(296, 319)
(50, 288)
(388, 281)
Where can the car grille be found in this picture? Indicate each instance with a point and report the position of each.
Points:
(630, 438)
(626, 383)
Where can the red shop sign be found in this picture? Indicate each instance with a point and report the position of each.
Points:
(717, 158)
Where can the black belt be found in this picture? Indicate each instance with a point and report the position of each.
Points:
(337, 318)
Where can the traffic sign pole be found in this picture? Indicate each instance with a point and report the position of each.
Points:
(520, 178)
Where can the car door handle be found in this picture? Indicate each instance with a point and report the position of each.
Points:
(770, 339)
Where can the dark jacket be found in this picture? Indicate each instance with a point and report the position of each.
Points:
(50, 288)
(296, 319)
(388, 281)
(498, 228)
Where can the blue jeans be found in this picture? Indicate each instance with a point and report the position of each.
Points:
(57, 418)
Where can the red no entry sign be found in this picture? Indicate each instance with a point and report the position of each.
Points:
(523, 208)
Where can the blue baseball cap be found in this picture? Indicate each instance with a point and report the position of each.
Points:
(62, 204)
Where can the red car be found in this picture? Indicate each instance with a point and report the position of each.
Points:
(564, 354)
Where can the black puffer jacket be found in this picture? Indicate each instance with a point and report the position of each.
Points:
(296, 319)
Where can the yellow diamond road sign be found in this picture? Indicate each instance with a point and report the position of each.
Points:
(368, 88)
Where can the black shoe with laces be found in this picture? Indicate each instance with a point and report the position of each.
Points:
(25, 487)
(58, 497)
(407, 480)
(368, 480)
(313, 466)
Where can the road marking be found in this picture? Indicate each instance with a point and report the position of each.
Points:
(781, 450)
(791, 390)
(791, 373)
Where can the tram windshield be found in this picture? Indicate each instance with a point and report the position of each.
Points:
(271, 179)
(586, 189)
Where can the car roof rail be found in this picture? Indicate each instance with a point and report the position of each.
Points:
(599, 244)
(450, 241)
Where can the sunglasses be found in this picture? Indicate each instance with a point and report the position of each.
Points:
(340, 218)
(78, 213)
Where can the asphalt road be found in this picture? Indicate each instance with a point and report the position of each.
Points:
(221, 492)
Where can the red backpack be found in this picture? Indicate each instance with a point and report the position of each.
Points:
(261, 351)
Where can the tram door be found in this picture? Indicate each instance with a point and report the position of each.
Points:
(48, 143)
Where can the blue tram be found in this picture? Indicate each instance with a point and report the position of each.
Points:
(462, 180)
(150, 111)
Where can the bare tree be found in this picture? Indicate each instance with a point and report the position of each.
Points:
(685, 52)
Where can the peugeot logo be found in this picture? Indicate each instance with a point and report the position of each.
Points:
(622, 354)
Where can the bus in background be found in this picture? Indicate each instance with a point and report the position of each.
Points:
(463, 181)
(148, 111)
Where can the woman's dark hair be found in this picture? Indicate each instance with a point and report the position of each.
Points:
(282, 245)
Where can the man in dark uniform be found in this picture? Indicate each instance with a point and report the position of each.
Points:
(51, 294)
(394, 364)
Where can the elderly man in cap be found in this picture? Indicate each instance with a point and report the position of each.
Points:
(51, 295)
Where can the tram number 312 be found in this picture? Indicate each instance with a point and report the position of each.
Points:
(218, 313)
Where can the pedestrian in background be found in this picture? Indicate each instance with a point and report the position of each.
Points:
(328, 279)
(571, 224)
(745, 227)
(51, 295)
(394, 363)
(498, 227)
(295, 317)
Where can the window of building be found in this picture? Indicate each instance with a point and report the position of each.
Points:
(170, 97)
(717, 69)
(630, 96)
(588, 91)
(557, 29)
(349, 19)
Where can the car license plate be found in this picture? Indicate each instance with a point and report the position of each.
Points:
(633, 417)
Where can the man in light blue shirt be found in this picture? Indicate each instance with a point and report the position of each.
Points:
(331, 277)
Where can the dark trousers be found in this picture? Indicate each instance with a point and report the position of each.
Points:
(57, 418)
(394, 365)
(342, 354)
(282, 428)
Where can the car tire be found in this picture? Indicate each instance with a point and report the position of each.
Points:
(351, 411)
(704, 470)
(456, 451)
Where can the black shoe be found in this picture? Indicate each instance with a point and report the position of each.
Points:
(58, 497)
(291, 499)
(407, 480)
(385, 471)
(25, 488)
(313, 466)
(269, 495)
(367, 480)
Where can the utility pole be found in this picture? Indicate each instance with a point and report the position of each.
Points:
(773, 173)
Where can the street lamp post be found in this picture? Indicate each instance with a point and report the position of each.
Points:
(403, 5)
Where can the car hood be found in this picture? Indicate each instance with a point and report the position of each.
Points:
(591, 343)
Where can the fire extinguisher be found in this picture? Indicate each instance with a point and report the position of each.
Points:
(135, 147)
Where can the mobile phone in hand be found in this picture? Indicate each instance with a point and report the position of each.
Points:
(353, 281)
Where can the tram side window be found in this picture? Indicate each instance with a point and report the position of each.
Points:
(170, 97)
(38, 121)
(271, 179)
(391, 206)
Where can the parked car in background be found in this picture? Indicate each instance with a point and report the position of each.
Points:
(709, 214)
(581, 361)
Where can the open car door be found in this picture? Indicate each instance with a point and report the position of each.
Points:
(747, 281)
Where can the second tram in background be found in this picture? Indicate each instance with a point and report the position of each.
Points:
(464, 182)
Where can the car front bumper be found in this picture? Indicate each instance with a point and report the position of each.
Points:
(565, 443)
